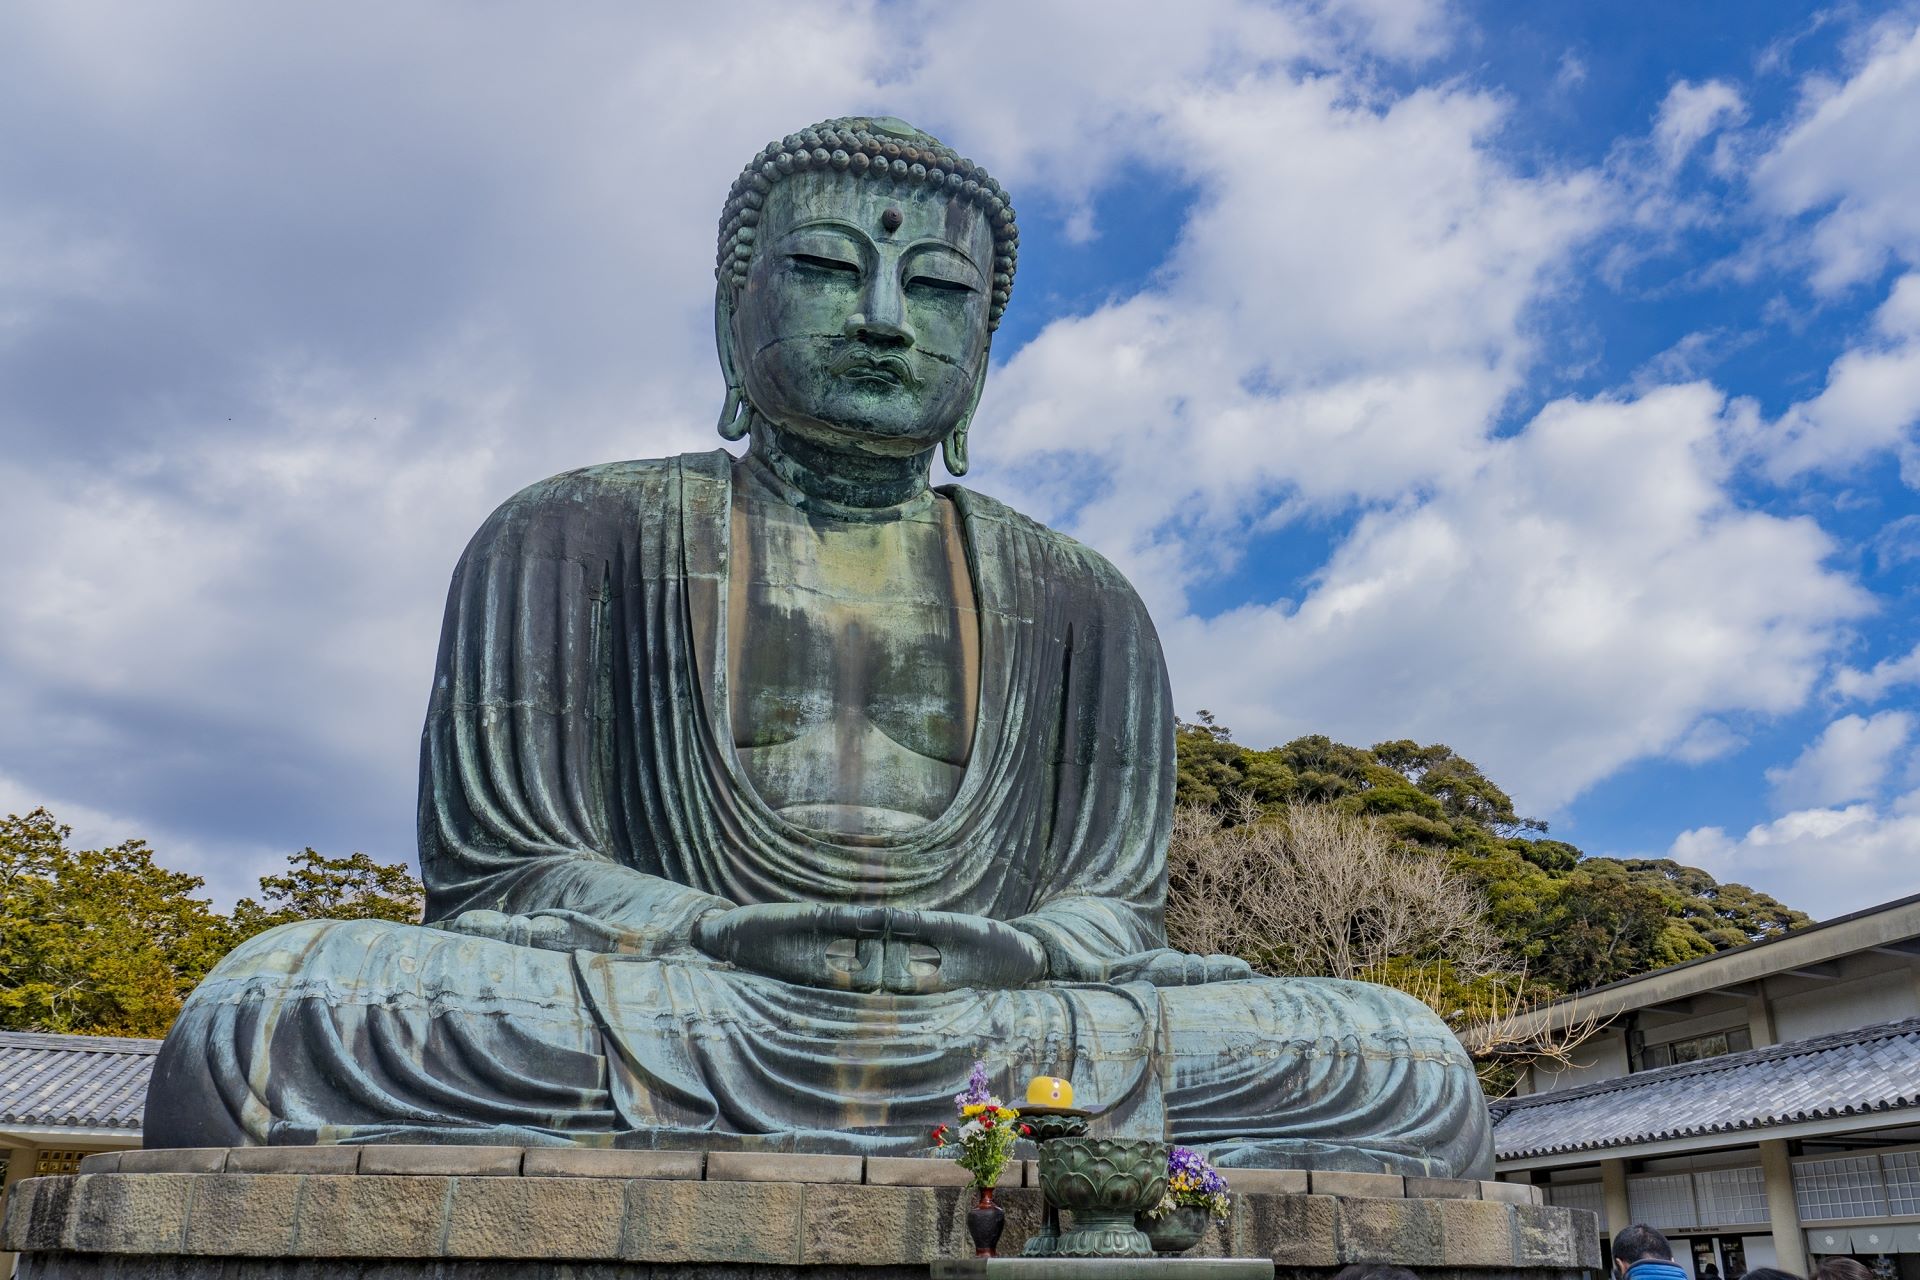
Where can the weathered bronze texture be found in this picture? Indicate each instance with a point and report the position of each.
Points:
(1103, 1183)
(761, 796)
(1176, 1231)
(1044, 1124)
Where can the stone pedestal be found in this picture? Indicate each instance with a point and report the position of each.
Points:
(499, 1213)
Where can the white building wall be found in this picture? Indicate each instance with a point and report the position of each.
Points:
(1602, 1058)
(1845, 1006)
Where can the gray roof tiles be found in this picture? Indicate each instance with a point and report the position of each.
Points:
(1865, 1070)
(96, 1082)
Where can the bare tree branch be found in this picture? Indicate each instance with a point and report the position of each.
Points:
(1310, 890)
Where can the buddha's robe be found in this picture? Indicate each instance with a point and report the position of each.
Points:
(576, 763)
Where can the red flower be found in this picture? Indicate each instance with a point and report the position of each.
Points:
(1026, 1130)
(939, 1135)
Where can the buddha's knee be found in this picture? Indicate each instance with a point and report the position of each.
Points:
(300, 947)
(1411, 1014)
(1232, 1016)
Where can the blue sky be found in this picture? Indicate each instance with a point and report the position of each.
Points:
(1540, 379)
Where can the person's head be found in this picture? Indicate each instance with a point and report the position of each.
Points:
(1842, 1269)
(862, 269)
(1770, 1273)
(1711, 1269)
(1637, 1242)
(1374, 1271)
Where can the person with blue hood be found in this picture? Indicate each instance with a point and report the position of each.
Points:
(1641, 1253)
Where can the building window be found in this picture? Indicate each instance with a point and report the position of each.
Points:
(56, 1162)
(1693, 1049)
(1662, 1200)
(1903, 1182)
(1731, 1197)
(1848, 1187)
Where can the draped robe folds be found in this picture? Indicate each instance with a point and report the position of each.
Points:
(577, 766)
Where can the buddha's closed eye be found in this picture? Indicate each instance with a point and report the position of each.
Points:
(814, 262)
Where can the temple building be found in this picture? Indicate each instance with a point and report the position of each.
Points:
(65, 1097)
(1761, 1106)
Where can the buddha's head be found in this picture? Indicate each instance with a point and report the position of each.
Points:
(863, 267)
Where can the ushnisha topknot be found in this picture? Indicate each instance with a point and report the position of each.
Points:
(877, 148)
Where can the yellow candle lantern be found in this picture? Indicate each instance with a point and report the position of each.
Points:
(1049, 1091)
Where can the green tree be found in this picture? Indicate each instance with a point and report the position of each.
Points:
(109, 942)
(99, 941)
(317, 887)
(1569, 920)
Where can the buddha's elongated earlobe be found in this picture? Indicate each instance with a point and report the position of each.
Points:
(733, 423)
(953, 450)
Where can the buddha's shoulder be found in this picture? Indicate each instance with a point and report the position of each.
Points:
(1067, 560)
(639, 483)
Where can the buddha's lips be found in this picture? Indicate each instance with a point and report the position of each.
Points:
(865, 366)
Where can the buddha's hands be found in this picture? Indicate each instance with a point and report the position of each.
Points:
(871, 948)
(1168, 968)
(945, 951)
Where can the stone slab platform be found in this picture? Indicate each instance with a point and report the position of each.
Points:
(565, 1214)
(1103, 1269)
(734, 1166)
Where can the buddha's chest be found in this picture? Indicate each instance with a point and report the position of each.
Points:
(852, 665)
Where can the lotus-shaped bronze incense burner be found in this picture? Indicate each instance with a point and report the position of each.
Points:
(1103, 1182)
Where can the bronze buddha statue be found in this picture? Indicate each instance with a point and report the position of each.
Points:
(761, 796)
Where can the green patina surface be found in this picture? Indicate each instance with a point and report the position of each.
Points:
(761, 796)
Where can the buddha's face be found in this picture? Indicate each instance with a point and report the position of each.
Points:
(863, 320)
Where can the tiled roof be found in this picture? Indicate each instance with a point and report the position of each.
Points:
(94, 1082)
(1857, 1072)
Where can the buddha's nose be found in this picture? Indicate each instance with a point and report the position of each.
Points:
(881, 320)
(877, 331)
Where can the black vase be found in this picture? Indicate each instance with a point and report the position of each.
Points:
(985, 1221)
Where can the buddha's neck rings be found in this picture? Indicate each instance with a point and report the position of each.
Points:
(842, 484)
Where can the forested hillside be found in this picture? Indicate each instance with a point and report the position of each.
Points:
(1570, 920)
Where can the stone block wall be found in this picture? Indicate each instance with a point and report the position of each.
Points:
(489, 1213)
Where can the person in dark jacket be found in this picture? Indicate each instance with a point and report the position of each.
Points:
(1641, 1253)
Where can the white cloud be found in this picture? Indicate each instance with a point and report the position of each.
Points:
(1410, 29)
(1583, 599)
(1825, 861)
(1690, 113)
(1853, 157)
(1884, 676)
(1869, 405)
(1848, 761)
(1710, 739)
(1352, 342)
(363, 318)
(323, 295)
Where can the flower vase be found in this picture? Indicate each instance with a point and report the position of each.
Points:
(985, 1221)
(1176, 1231)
